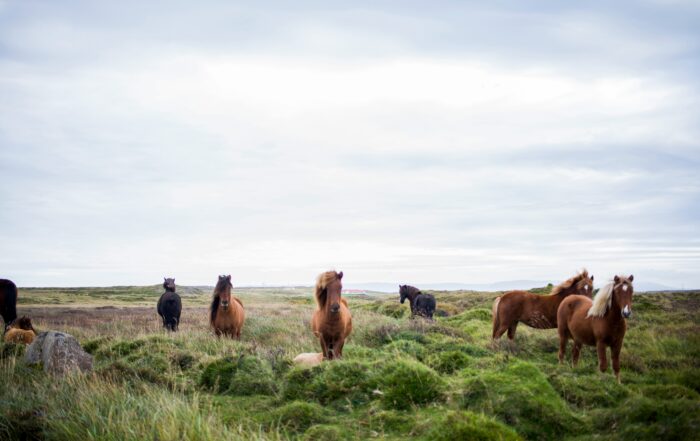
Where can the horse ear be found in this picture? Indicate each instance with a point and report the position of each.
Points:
(592, 277)
(617, 279)
(631, 277)
(340, 275)
(165, 279)
(228, 277)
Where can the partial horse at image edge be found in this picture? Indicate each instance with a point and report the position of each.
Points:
(8, 301)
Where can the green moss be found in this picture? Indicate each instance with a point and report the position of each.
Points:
(588, 391)
(298, 416)
(466, 425)
(640, 418)
(521, 396)
(669, 392)
(243, 375)
(324, 432)
(448, 362)
(406, 347)
(343, 380)
(406, 382)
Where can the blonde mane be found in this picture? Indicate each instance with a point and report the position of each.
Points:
(570, 282)
(322, 282)
(603, 300)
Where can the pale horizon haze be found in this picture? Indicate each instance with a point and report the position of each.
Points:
(400, 142)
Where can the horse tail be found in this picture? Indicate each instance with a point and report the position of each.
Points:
(494, 314)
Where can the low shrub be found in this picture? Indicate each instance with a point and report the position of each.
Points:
(406, 382)
(242, 375)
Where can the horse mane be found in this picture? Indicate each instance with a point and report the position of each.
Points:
(221, 285)
(569, 283)
(603, 300)
(322, 282)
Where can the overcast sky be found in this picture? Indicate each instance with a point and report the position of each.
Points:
(408, 142)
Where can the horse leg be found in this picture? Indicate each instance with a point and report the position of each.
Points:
(324, 348)
(602, 357)
(511, 330)
(615, 352)
(339, 348)
(576, 352)
(563, 340)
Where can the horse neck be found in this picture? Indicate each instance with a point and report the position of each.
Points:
(169, 290)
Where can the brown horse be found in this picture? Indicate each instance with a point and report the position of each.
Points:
(226, 316)
(535, 310)
(20, 331)
(331, 322)
(600, 323)
(8, 301)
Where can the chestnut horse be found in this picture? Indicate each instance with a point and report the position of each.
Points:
(331, 322)
(8, 301)
(227, 315)
(535, 310)
(600, 323)
(20, 331)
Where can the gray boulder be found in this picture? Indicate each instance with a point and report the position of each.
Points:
(58, 353)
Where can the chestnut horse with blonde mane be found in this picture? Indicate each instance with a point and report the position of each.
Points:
(331, 322)
(20, 331)
(600, 322)
(227, 313)
(535, 310)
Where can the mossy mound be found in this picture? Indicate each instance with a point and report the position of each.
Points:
(406, 382)
(347, 381)
(406, 347)
(324, 432)
(520, 395)
(449, 361)
(465, 425)
(297, 416)
(243, 375)
(640, 418)
(588, 391)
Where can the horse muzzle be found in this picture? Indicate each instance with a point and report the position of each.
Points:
(224, 305)
(626, 311)
(335, 308)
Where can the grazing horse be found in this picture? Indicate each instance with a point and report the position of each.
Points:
(8, 301)
(600, 323)
(535, 310)
(20, 331)
(421, 304)
(331, 322)
(170, 306)
(227, 315)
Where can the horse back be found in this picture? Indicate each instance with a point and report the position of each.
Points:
(8, 300)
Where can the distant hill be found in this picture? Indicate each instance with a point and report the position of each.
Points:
(496, 286)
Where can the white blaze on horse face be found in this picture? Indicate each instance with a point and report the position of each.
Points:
(624, 287)
(626, 311)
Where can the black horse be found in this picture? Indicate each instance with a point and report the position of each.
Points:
(8, 301)
(421, 304)
(170, 306)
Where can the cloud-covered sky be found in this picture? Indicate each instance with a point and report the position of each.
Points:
(412, 142)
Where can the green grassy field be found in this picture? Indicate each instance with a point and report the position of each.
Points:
(400, 378)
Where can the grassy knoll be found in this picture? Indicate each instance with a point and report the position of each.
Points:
(400, 378)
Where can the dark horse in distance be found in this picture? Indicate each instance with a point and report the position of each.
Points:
(421, 304)
(8, 301)
(170, 306)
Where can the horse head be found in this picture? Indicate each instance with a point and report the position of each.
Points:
(622, 294)
(328, 290)
(223, 290)
(584, 287)
(169, 284)
(403, 293)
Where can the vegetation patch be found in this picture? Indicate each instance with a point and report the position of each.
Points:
(406, 382)
(242, 375)
(465, 425)
(298, 415)
(520, 396)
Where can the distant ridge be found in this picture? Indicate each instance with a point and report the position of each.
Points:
(507, 285)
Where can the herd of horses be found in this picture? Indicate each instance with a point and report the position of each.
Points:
(598, 321)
